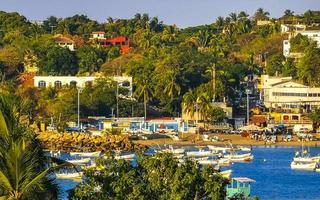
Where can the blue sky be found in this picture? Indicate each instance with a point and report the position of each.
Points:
(180, 12)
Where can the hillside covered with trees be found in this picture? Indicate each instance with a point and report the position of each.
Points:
(170, 66)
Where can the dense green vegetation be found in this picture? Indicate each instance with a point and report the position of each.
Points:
(159, 177)
(23, 166)
(167, 62)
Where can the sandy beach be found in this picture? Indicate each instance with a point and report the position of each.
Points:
(192, 140)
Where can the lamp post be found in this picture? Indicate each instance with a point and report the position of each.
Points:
(79, 89)
(248, 106)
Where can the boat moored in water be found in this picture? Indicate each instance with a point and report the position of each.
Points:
(72, 176)
(303, 166)
(86, 154)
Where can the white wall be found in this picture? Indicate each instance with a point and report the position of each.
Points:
(81, 81)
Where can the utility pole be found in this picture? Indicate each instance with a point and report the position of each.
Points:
(52, 29)
(248, 108)
(79, 91)
(117, 100)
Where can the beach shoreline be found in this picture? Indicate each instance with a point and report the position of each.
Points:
(191, 140)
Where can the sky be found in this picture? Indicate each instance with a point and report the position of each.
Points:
(183, 13)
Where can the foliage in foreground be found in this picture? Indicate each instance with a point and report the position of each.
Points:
(159, 177)
(22, 163)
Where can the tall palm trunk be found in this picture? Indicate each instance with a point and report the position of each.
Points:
(145, 105)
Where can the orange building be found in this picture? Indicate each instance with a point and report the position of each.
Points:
(122, 42)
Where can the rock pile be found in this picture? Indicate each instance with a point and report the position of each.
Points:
(86, 143)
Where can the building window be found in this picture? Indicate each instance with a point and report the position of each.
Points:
(41, 84)
(73, 84)
(57, 84)
(295, 117)
(126, 84)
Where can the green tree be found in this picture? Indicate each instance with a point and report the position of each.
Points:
(23, 172)
(216, 114)
(308, 67)
(58, 61)
(274, 64)
(159, 177)
(260, 14)
(90, 59)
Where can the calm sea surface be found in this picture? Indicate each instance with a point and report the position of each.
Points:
(271, 171)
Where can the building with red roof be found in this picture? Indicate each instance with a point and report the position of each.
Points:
(122, 42)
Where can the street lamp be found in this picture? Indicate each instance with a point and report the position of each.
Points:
(79, 89)
(248, 108)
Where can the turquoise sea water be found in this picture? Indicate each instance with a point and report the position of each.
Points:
(274, 177)
(272, 173)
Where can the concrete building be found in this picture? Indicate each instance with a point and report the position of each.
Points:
(79, 81)
(97, 35)
(287, 28)
(286, 94)
(122, 42)
(63, 41)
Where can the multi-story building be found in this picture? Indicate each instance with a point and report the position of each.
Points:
(78, 81)
(122, 42)
(284, 93)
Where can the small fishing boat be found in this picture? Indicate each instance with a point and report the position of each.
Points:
(218, 148)
(125, 156)
(173, 151)
(81, 161)
(226, 173)
(207, 162)
(303, 166)
(307, 159)
(224, 161)
(239, 157)
(86, 154)
(201, 153)
(73, 175)
(243, 148)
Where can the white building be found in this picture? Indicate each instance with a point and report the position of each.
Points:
(98, 35)
(64, 42)
(311, 34)
(286, 94)
(287, 28)
(78, 81)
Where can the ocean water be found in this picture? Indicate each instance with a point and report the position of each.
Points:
(274, 177)
(272, 173)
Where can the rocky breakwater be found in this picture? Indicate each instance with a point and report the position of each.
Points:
(87, 143)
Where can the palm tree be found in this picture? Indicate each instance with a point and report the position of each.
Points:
(22, 168)
(189, 102)
(201, 40)
(261, 14)
(234, 17)
(220, 22)
(144, 89)
(288, 13)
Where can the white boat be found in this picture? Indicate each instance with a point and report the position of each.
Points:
(200, 153)
(74, 175)
(239, 157)
(207, 162)
(125, 157)
(243, 148)
(218, 148)
(318, 170)
(224, 161)
(307, 159)
(81, 161)
(226, 173)
(86, 154)
(173, 151)
(303, 166)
